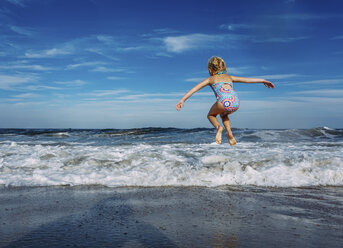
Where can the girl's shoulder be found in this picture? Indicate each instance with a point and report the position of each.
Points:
(220, 79)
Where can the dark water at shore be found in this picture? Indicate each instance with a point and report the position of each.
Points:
(225, 216)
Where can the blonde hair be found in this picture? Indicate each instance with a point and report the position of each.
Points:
(216, 64)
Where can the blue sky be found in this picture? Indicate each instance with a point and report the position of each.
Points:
(125, 64)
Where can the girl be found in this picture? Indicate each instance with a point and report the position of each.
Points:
(227, 99)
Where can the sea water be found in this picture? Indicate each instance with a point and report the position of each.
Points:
(171, 157)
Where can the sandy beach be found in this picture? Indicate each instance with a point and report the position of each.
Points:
(97, 216)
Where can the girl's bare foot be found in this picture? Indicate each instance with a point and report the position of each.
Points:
(231, 139)
(219, 135)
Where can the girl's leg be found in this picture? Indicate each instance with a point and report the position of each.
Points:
(226, 123)
(212, 117)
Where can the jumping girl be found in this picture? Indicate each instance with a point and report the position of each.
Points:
(227, 99)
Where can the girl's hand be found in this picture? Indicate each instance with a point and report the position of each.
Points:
(268, 84)
(179, 105)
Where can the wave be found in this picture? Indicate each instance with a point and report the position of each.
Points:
(248, 163)
(244, 134)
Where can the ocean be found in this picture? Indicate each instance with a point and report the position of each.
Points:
(171, 157)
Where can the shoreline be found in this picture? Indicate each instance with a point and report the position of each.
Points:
(97, 216)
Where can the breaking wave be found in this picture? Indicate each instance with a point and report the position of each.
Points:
(170, 156)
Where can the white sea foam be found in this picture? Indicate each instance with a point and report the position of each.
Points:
(248, 163)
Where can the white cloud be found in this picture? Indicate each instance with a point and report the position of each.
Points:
(122, 95)
(26, 67)
(84, 64)
(233, 26)
(178, 44)
(301, 16)
(26, 95)
(279, 39)
(7, 82)
(114, 69)
(31, 103)
(237, 70)
(106, 69)
(194, 80)
(317, 82)
(42, 87)
(21, 30)
(160, 31)
(17, 2)
(114, 78)
(321, 92)
(154, 97)
(103, 51)
(323, 101)
(101, 93)
(133, 48)
(162, 54)
(107, 39)
(277, 76)
(72, 83)
(49, 52)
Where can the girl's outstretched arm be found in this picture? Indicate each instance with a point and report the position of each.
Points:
(252, 80)
(197, 87)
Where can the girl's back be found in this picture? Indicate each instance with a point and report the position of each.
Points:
(221, 85)
(220, 78)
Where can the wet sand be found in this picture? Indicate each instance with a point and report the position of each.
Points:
(96, 216)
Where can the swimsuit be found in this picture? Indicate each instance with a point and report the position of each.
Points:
(226, 95)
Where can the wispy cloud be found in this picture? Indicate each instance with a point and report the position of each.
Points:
(321, 92)
(133, 48)
(112, 69)
(8, 82)
(178, 44)
(103, 51)
(102, 93)
(53, 52)
(160, 31)
(318, 100)
(106, 69)
(302, 16)
(277, 76)
(236, 26)
(42, 87)
(26, 67)
(194, 80)
(22, 30)
(26, 95)
(114, 78)
(339, 37)
(107, 39)
(124, 94)
(73, 83)
(279, 39)
(317, 82)
(237, 70)
(84, 64)
(17, 2)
